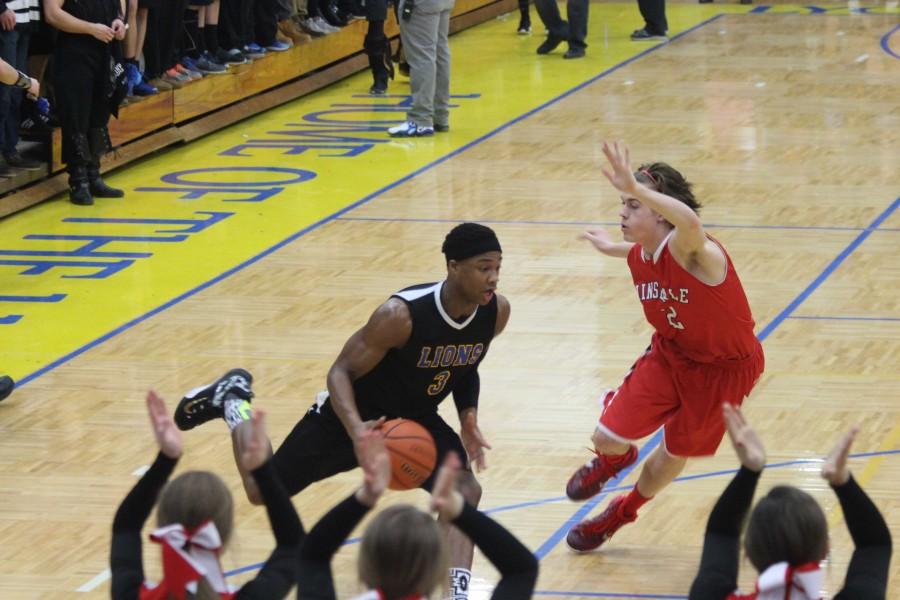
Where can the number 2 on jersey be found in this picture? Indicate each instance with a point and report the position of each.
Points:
(440, 381)
(673, 319)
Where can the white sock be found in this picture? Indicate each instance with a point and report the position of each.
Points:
(237, 410)
(459, 583)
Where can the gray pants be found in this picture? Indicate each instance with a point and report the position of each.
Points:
(427, 50)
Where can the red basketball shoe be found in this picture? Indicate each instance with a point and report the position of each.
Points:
(593, 533)
(589, 479)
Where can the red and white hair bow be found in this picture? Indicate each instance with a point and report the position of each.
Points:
(782, 581)
(188, 557)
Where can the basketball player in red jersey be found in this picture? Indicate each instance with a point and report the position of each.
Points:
(703, 352)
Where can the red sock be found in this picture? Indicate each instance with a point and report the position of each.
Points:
(633, 501)
(614, 460)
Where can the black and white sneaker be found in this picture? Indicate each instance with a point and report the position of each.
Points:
(205, 403)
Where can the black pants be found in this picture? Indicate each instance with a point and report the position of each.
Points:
(319, 447)
(654, 13)
(80, 78)
(575, 30)
(246, 21)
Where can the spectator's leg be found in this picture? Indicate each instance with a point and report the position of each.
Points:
(442, 76)
(420, 38)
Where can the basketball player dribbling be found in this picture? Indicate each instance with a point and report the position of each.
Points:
(423, 343)
(703, 352)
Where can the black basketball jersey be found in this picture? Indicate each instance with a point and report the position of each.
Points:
(440, 352)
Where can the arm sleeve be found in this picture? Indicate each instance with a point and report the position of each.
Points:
(125, 561)
(465, 393)
(323, 541)
(279, 573)
(867, 574)
(517, 565)
(718, 573)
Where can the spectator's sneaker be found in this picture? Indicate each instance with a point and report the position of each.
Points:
(332, 16)
(253, 50)
(642, 35)
(17, 161)
(442, 127)
(161, 84)
(325, 25)
(132, 78)
(410, 129)
(208, 402)
(310, 27)
(550, 44)
(524, 26)
(574, 53)
(589, 479)
(377, 90)
(7, 385)
(191, 74)
(593, 533)
(144, 88)
(230, 57)
(278, 46)
(208, 67)
(175, 78)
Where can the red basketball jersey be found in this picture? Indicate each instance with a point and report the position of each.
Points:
(705, 323)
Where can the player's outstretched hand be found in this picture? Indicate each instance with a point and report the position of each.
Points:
(256, 450)
(835, 470)
(621, 176)
(746, 442)
(168, 438)
(376, 465)
(445, 498)
(599, 238)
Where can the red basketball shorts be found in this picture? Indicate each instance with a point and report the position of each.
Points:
(682, 396)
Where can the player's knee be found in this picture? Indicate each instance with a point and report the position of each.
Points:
(469, 487)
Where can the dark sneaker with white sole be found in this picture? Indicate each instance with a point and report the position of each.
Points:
(205, 403)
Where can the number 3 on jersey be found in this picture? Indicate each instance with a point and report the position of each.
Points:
(439, 383)
(673, 319)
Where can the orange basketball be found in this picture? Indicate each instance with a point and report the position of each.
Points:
(412, 451)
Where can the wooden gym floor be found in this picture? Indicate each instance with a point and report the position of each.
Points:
(267, 244)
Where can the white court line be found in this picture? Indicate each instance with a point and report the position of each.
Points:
(95, 582)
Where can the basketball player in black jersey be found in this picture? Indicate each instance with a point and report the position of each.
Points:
(422, 344)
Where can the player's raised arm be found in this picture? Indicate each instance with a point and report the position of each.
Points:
(389, 327)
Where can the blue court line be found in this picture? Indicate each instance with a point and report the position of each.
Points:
(651, 445)
(827, 318)
(508, 507)
(612, 224)
(832, 266)
(64, 359)
(885, 42)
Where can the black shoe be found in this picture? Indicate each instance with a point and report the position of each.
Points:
(80, 194)
(7, 385)
(16, 160)
(403, 67)
(441, 127)
(550, 44)
(208, 402)
(642, 35)
(99, 189)
(574, 53)
(524, 26)
(376, 90)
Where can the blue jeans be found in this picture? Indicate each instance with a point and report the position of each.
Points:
(14, 50)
